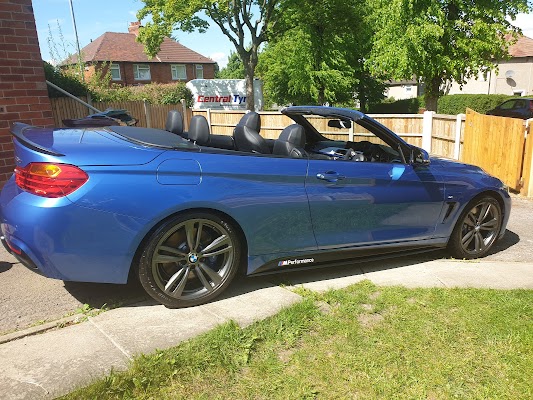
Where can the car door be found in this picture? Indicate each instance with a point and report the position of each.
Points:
(358, 203)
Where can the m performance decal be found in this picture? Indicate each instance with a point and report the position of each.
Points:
(296, 262)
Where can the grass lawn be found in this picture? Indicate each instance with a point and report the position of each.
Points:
(363, 342)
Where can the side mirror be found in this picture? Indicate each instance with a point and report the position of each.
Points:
(340, 124)
(419, 156)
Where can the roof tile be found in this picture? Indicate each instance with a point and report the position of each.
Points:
(112, 46)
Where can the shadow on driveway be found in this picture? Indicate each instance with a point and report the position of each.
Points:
(97, 295)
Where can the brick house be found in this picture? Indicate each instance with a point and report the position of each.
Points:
(23, 94)
(131, 66)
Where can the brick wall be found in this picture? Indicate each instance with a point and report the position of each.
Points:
(160, 73)
(23, 94)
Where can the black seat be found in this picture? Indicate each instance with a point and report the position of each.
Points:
(199, 130)
(246, 135)
(174, 123)
(291, 142)
(252, 120)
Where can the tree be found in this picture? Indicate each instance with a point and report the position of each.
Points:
(318, 55)
(234, 69)
(240, 20)
(442, 40)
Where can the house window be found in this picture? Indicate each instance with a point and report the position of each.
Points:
(178, 72)
(115, 72)
(199, 71)
(141, 72)
(408, 89)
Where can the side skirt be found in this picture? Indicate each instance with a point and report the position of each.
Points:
(303, 262)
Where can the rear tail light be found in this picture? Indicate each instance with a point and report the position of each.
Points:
(50, 179)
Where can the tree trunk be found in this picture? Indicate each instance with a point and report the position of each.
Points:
(432, 93)
(249, 78)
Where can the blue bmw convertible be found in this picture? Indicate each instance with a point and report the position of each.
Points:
(184, 212)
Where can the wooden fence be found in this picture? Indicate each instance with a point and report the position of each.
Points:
(482, 140)
(147, 115)
(501, 146)
(444, 132)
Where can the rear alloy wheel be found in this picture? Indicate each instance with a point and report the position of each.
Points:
(477, 229)
(189, 260)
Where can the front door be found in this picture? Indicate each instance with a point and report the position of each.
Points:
(359, 203)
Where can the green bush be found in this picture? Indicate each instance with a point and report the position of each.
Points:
(458, 103)
(153, 93)
(406, 106)
(64, 80)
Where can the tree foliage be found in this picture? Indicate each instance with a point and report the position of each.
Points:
(318, 55)
(234, 69)
(442, 40)
(242, 21)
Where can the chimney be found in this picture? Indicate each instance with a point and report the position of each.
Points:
(134, 27)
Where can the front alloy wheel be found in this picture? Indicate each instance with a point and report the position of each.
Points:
(189, 260)
(477, 229)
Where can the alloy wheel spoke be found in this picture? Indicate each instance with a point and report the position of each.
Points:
(172, 250)
(483, 241)
(470, 219)
(189, 232)
(467, 239)
(213, 275)
(198, 236)
(489, 225)
(478, 241)
(484, 212)
(217, 252)
(199, 273)
(215, 244)
(180, 276)
(163, 258)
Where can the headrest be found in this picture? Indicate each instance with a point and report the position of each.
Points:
(174, 122)
(199, 130)
(294, 134)
(251, 120)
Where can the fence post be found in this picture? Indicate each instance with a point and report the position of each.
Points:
(427, 130)
(457, 144)
(90, 102)
(147, 114)
(350, 133)
(185, 115)
(209, 119)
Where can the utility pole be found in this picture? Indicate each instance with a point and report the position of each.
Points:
(80, 61)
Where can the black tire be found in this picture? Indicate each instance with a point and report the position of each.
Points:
(477, 229)
(189, 260)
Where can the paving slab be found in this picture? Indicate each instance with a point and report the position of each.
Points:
(149, 326)
(262, 300)
(54, 363)
(413, 273)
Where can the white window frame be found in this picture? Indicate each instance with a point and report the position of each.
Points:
(137, 68)
(175, 68)
(199, 67)
(115, 68)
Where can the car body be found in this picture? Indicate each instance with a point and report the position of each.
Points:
(521, 107)
(97, 204)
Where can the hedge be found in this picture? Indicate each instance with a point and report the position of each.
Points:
(406, 106)
(449, 104)
(458, 103)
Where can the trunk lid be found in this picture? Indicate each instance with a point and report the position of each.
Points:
(82, 147)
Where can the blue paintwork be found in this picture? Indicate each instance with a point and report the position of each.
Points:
(279, 204)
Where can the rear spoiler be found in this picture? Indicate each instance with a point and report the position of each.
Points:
(18, 129)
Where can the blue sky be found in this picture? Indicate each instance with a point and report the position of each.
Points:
(94, 17)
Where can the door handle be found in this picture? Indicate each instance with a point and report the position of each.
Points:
(330, 176)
